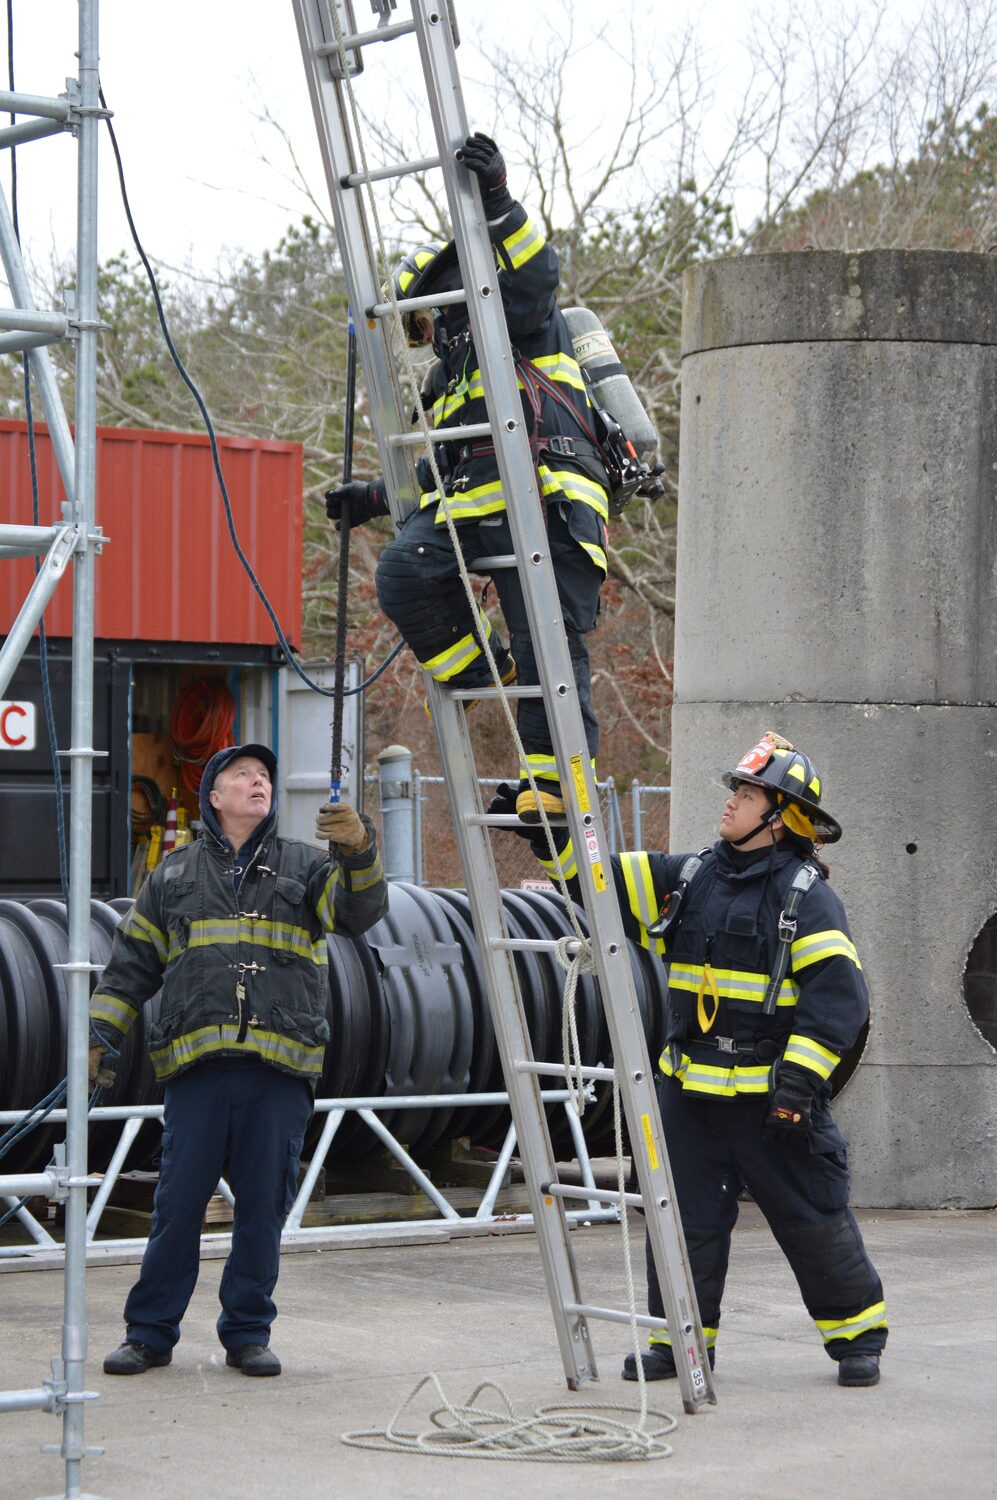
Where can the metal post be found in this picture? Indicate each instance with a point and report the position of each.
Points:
(74, 1328)
(635, 814)
(395, 773)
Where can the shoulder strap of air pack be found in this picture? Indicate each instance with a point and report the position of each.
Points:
(671, 907)
(795, 892)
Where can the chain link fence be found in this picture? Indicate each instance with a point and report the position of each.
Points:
(634, 818)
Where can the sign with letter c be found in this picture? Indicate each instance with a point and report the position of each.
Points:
(17, 725)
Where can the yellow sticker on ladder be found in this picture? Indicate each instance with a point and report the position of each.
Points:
(652, 1154)
(595, 859)
(578, 777)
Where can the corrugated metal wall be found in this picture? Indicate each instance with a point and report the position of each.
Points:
(169, 571)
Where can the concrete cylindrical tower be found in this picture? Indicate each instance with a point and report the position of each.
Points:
(837, 582)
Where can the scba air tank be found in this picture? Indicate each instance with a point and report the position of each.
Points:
(609, 381)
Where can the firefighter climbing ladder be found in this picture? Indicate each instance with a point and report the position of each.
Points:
(335, 54)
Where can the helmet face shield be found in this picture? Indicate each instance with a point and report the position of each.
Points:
(792, 778)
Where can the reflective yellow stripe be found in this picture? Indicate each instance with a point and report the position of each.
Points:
(807, 1053)
(360, 880)
(269, 1046)
(577, 487)
(523, 244)
(566, 864)
(817, 945)
(109, 1008)
(459, 657)
(561, 367)
(732, 984)
(719, 1082)
(233, 932)
(543, 768)
(850, 1328)
(662, 1336)
(139, 927)
(636, 872)
(467, 505)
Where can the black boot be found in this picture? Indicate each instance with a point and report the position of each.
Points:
(134, 1358)
(658, 1362)
(858, 1369)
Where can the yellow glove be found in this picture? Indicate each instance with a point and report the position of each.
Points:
(337, 823)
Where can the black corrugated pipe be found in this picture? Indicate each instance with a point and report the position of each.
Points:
(407, 1012)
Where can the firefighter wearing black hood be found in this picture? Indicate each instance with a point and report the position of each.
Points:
(418, 581)
(765, 996)
(233, 927)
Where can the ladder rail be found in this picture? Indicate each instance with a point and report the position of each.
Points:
(352, 225)
(525, 513)
(508, 430)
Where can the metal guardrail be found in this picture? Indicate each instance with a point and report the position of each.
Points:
(295, 1233)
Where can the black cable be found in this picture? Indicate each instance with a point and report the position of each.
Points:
(215, 458)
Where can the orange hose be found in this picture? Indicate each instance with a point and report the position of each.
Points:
(200, 724)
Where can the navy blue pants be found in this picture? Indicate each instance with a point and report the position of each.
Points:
(242, 1120)
(715, 1150)
(420, 590)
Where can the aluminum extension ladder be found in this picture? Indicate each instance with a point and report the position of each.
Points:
(335, 55)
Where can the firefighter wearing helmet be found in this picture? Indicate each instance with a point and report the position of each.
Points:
(418, 581)
(766, 995)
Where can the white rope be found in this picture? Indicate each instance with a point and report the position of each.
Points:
(553, 1434)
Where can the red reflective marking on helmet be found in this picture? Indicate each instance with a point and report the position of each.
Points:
(757, 757)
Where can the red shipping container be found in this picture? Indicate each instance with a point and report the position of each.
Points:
(169, 570)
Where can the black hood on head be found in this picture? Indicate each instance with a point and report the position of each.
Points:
(218, 762)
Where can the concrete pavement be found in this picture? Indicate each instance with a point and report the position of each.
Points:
(359, 1327)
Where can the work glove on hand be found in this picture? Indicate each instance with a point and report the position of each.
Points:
(789, 1105)
(364, 500)
(482, 157)
(504, 801)
(99, 1072)
(337, 823)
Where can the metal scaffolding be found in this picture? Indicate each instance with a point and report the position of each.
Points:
(75, 538)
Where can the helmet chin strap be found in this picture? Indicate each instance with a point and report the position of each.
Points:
(766, 822)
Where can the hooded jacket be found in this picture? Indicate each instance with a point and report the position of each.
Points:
(237, 941)
(727, 938)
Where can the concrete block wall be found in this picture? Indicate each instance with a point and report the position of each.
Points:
(837, 582)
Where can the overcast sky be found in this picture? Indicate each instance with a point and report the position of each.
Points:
(188, 79)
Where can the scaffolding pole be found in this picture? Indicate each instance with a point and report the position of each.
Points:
(77, 542)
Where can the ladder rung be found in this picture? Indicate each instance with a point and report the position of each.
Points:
(489, 564)
(413, 304)
(593, 1195)
(508, 820)
(440, 435)
(357, 179)
(610, 1315)
(553, 1070)
(509, 690)
(364, 38)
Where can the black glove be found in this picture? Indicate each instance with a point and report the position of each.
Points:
(482, 157)
(790, 1104)
(363, 500)
(504, 801)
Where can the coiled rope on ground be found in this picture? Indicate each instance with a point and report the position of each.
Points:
(553, 1434)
